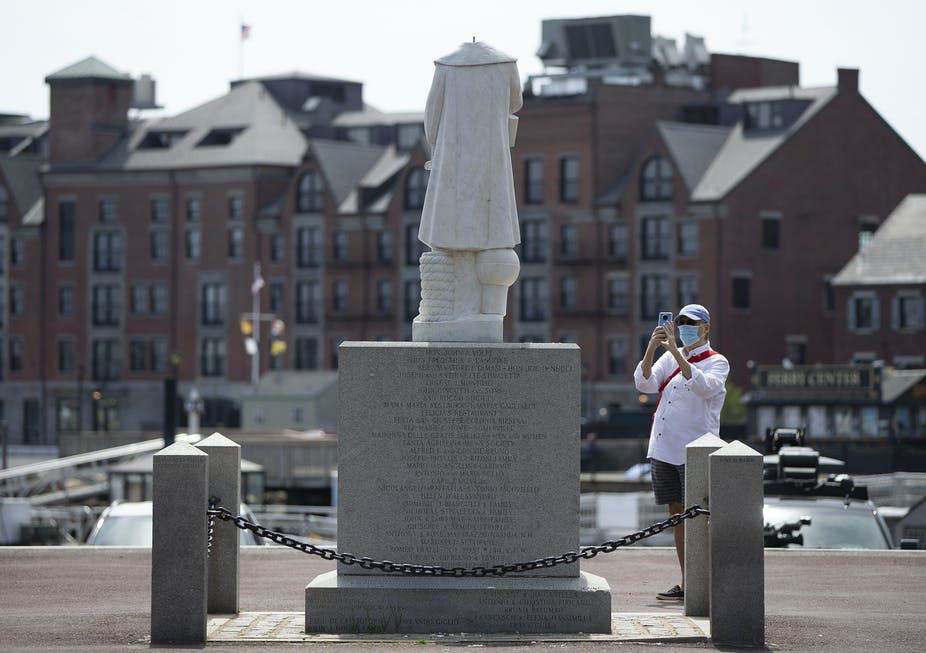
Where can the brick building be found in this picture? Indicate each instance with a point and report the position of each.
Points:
(647, 177)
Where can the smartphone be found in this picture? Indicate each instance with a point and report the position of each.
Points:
(665, 316)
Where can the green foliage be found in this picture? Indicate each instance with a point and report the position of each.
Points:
(734, 410)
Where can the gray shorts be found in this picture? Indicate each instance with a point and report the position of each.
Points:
(668, 482)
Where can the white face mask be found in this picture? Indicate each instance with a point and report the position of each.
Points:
(688, 334)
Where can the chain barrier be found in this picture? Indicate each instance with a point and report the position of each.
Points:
(436, 570)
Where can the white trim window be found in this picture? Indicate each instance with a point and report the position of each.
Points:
(864, 311)
(907, 312)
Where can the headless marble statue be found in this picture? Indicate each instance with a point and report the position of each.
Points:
(469, 218)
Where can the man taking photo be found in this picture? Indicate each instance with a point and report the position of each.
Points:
(690, 382)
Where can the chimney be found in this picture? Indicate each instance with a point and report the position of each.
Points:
(88, 112)
(847, 80)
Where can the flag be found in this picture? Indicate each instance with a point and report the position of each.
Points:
(258, 283)
(245, 31)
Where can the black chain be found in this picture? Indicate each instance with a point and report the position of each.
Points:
(436, 570)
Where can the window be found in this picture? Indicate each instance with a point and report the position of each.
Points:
(568, 289)
(770, 233)
(235, 242)
(138, 355)
(193, 243)
(194, 207)
(764, 115)
(220, 137)
(569, 179)
(308, 247)
(414, 248)
(106, 306)
(687, 238)
(139, 302)
(158, 355)
(656, 180)
(106, 362)
(16, 300)
(617, 241)
(16, 354)
(339, 295)
(416, 184)
(384, 246)
(829, 294)
(212, 357)
(687, 289)
(65, 355)
(339, 245)
(107, 210)
(306, 355)
(159, 299)
(310, 195)
(411, 299)
(17, 253)
(276, 248)
(158, 245)
(66, 226)
(235, 207)
(384, 296)
(568, 240)
(4, 203)
(308, 302)
(866, 231)
(65, 300)
(864, 311)
(276, 296)
(907, 312)
(619, 295)
(107, 251)
(212, 308)
(655, 237)
(740, 289)
(534, 299)
(533, 180)
(67, 413)
(617, 356)
(655, 295)
(535, 241)
(159, 210)
(796, 349)
(359, 135)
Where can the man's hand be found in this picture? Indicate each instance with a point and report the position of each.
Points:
(663, 336)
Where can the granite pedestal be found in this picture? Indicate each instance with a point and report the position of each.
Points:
(458, 455)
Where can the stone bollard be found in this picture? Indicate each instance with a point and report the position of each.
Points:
(737, 571)
(224, 484)
(178, 545)
(697, 542)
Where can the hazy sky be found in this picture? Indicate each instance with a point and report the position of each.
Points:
(192, 48)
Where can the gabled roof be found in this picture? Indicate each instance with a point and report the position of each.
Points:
(386, 167)
(22, 178)
(261, 133)
(89, 68)
(344, 164)
(743, 152)
(693, 147)
(896, 254)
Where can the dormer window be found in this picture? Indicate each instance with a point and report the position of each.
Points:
(310, 195)
(656, 180)
(161, 139)
(220, 137)
(764, 115)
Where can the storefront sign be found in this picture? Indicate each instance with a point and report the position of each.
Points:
(816, 383)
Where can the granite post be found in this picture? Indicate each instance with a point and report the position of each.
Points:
(697, 542)
(225, 485)
(178, 545)
(458, 455)
(737, 572)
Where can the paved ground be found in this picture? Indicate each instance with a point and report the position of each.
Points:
(85, 599)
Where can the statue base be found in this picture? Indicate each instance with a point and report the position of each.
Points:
(472, 328)
(401, 604)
